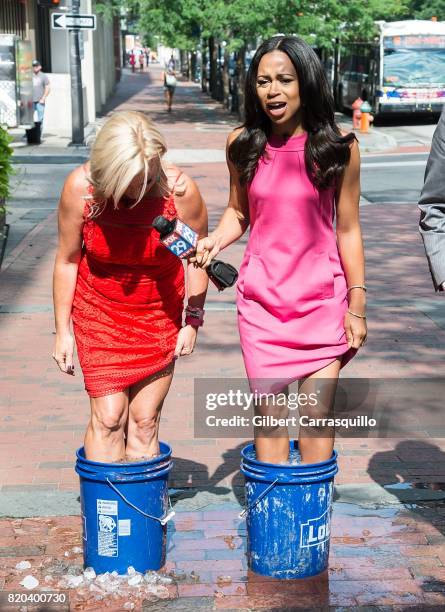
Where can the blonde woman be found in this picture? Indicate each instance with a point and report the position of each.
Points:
(121, 288)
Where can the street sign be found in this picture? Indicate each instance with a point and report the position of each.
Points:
(62, 21)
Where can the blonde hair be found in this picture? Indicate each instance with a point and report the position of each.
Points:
(122, 149)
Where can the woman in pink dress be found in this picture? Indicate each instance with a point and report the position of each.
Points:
(301, 292)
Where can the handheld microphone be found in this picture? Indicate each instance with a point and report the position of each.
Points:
(182, 241)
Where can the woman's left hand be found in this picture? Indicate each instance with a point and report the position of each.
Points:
(186, 341)
(356, 331)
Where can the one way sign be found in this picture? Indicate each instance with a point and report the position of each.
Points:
(62, 21)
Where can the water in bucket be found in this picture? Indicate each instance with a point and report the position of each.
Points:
(125, 508)
(288, 514)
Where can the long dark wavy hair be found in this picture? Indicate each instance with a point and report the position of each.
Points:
(326, 152)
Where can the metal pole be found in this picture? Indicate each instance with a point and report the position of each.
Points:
(76, 82)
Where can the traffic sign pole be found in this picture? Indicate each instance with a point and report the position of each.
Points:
(76, 82)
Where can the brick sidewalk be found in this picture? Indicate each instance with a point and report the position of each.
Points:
(399, 552)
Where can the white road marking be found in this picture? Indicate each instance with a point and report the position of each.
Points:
(394, 164)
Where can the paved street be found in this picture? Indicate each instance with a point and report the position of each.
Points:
(389, 514)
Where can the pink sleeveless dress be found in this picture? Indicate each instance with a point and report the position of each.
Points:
(291, 292)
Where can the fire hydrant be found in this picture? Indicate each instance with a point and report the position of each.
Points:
(356, 114)
(366, 117)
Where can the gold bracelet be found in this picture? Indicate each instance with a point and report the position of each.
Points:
(364, 287)
(357, 315)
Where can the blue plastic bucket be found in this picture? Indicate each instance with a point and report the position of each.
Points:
(125, 508)
(288, 511)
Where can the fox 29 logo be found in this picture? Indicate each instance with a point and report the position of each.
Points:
(315, 531)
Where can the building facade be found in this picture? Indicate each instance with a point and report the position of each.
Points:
(100, 56)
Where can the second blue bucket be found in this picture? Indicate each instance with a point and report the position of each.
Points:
(288, 510)
(125, 508)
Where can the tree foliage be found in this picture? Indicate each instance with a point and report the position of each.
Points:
(426, 9)
(182, 23)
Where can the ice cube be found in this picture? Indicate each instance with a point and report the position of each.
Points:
(129, 605)
(151, 577)
(134, 580)
(76, 550)
(103, 578)
(131, 571)
(74, 581)
(89, 573)
(29, 582)
(21, 565)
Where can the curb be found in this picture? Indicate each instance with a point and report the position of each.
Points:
(50, 159)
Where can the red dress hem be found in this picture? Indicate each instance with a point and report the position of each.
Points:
(129, 382)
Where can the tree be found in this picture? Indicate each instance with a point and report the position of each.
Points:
(420, 9)
(240, 24)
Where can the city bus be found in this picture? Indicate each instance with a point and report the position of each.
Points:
(403, 71)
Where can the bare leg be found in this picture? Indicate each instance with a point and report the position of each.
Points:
(145, 405)
(313, 448)
(170, 99)
(271, 443)
(104, 438)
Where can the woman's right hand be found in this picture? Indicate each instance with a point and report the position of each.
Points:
(64, 352)
(206, 250)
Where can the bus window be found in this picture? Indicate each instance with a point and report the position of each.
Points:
(413, 67)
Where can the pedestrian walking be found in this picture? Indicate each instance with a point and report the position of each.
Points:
(141, 59)
(121, 288)
(168, 77)
(432, 207)
(301, 291)
(132, 61)
(40, 89)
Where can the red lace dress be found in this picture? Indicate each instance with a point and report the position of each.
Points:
(127, 307)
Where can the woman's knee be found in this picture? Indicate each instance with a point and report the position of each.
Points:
(146, 425)
(109, 416)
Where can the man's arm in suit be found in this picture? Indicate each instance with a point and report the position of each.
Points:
(432, 207)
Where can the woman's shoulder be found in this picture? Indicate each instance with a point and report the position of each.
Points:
(234, 135)
(77, 183)
(75, 193)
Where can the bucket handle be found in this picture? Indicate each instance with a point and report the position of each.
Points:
(163, 520)
(265, 492)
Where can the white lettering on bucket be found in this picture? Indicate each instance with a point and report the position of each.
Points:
(107, 523)
(106, 506)
(315, 531)
(124, 527)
